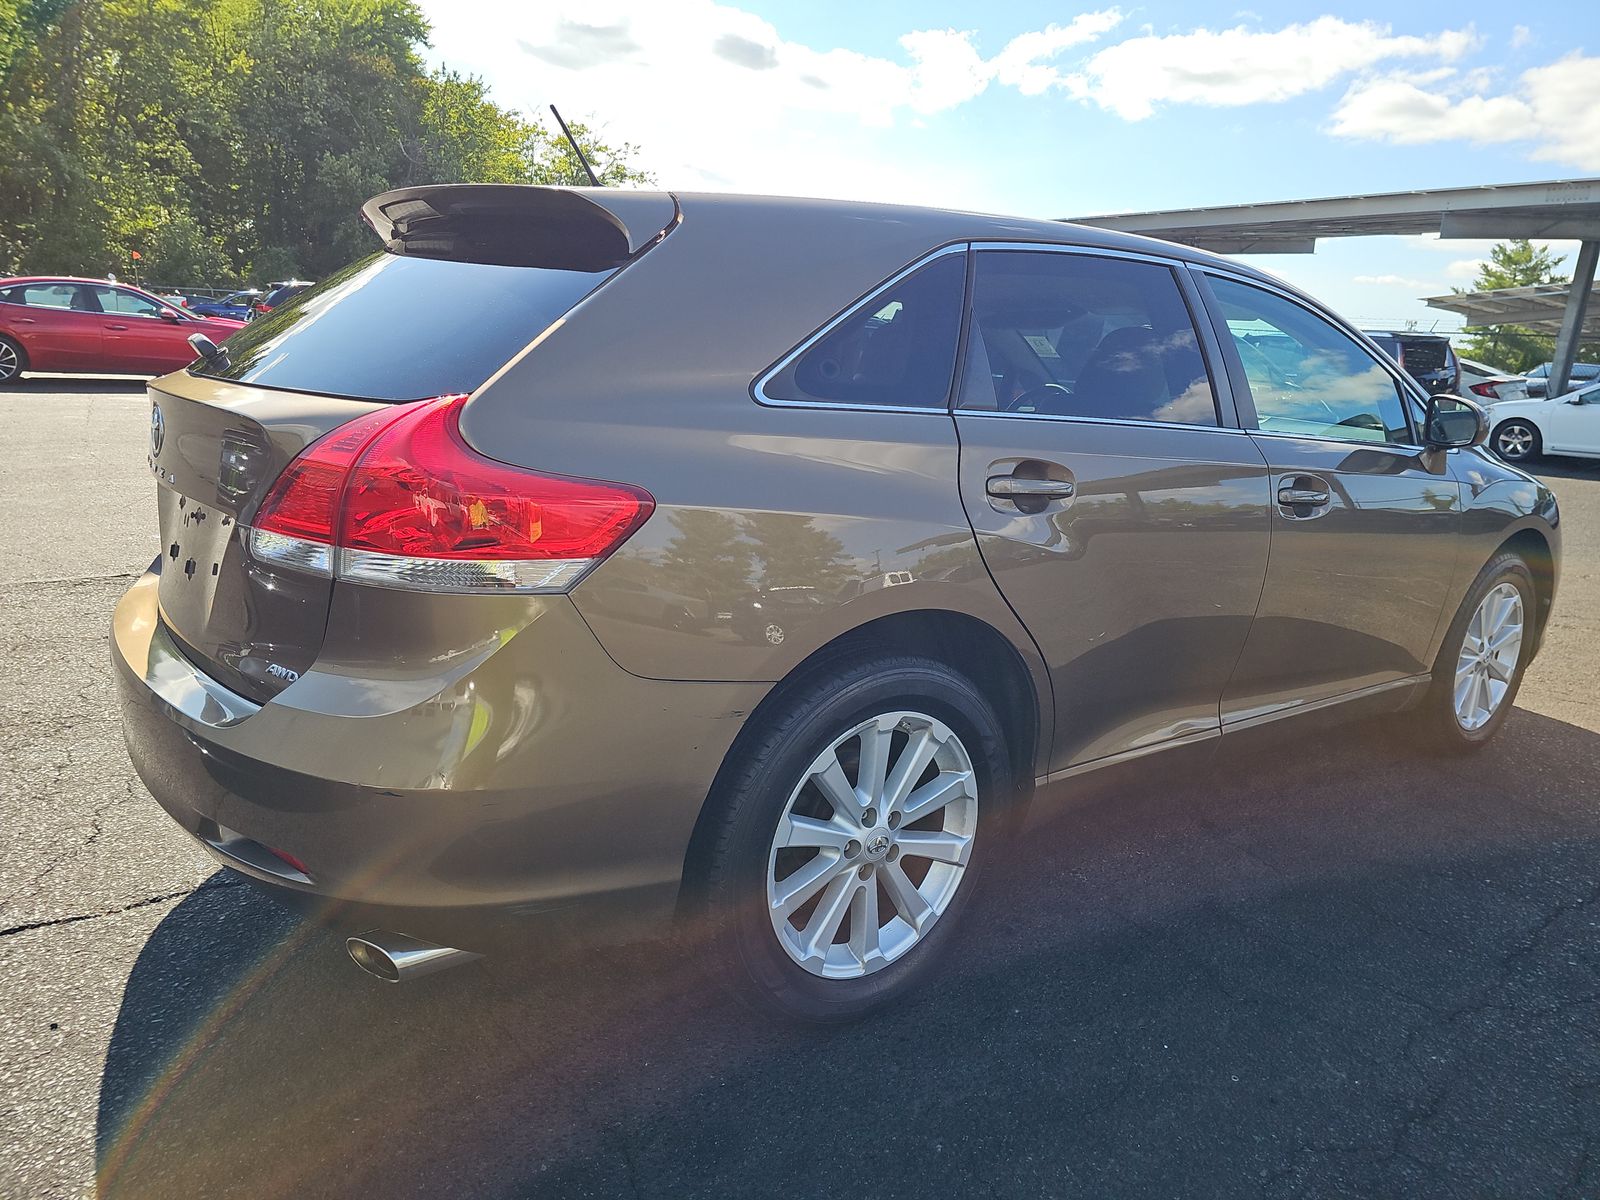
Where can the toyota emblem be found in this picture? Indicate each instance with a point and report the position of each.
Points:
(158, 430)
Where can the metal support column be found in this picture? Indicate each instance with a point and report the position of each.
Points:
(1572, 320)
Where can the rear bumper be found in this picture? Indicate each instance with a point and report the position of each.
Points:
(529, 782)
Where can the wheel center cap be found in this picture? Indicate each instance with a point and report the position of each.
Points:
(878, 845)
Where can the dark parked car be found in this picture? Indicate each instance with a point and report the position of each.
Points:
(1539, 378)
(235, 305)
(418, 651)
(1429, 358)
(277, 295)
(62, 323)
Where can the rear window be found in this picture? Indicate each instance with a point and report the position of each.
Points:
(392, 328)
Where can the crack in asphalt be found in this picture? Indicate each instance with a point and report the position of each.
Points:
(97, 817)
(208, 886)
(73, 579)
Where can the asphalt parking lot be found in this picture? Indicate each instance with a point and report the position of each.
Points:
(1340, 969)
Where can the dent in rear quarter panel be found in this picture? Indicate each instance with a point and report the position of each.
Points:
(1499, 501)
(827, 517)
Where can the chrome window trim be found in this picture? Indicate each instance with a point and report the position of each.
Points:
(1165, 260)
(1405, 447)
(758, 389)
(1119, 421)
(1219, 396)
(1409, 386)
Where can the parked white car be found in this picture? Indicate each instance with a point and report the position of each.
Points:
(1570, 424)
(1490, 384)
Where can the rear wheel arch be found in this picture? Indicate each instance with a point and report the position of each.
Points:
(970, 646)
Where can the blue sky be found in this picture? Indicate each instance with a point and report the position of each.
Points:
(1051, 110)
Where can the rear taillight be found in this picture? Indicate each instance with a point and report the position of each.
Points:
(1483, 389)
(398, 499)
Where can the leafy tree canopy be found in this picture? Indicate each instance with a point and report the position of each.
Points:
(234, 140)
(1517, 263)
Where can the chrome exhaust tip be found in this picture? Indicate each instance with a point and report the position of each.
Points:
(395, 958)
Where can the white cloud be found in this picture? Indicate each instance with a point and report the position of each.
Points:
(1246, 66)
(1396, 110)
(1404, 281)
(1521, 35)
(720, 98)
(1464, 268)
(1025, 62)
(1557, 107)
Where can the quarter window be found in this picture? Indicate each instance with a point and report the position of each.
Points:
(1307, 377)
(49, 295)
(897, 350)
(1076, 335)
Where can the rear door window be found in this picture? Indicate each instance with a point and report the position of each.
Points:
(895, 350)
(399, 328)
(1075, 335)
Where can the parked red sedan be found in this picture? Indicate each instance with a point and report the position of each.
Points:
(58, 323)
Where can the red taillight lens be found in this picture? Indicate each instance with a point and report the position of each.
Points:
(408, 504)
(1483, 389)
(304, 502)
(420, 490)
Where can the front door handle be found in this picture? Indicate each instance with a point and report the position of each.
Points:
(1011, 487)
(118, 328)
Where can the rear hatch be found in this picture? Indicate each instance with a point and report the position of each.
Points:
(469, 276)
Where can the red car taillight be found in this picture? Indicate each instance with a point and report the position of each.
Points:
(1484, 389)
(398, 499)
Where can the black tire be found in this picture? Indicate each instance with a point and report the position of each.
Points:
(13, 362)
(1526, 444)
(1436, 714)
(751, 797)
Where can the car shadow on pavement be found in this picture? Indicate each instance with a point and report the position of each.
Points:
(121, 385)
(1337, 969)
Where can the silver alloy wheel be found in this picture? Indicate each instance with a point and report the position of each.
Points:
(1488, 659)
(864, 861)
(9, 363)
(1514, 441)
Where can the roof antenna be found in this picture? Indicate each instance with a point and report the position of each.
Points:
(576, 149)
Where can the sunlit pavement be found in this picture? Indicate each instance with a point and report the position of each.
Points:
(1333, 969)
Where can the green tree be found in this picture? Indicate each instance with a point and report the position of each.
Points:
(1516, 263)
(226, 140)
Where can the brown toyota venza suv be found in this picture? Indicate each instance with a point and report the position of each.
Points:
(598, 561)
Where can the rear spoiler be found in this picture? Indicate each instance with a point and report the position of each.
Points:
(514, 225)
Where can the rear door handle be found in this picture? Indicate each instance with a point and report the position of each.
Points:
(1294, 495)
(1303, 497)
(1010, 487)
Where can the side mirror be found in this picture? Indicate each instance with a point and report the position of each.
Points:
(169, 316)
(1454, 421)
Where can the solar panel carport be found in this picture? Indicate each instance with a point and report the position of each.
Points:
(1557, 209)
